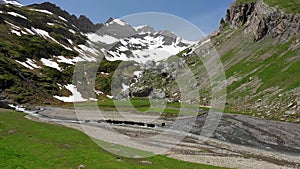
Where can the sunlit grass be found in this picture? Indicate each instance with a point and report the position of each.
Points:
(29, 144)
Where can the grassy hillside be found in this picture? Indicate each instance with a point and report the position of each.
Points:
(28, 144)
(263, 74)
(19, 83)
(260, 74)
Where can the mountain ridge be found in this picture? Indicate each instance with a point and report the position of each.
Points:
(82, 22)
(43, 43)
(258, 45)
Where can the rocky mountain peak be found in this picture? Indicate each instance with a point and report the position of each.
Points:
(110, 19)
(82, 23)
(117, 28)
(238, 14)
(86, 25)
(261, 20)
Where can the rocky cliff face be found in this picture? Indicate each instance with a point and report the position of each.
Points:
(261, 20)
(259, 48)
(238, 14)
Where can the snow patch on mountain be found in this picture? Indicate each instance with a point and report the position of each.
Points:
(123, 42)
(152, 54)
(50, 63)
(144, 47)
(70, 49)
(43, 34)
(72, 31)
(189, 42)
(29, 31)
(70, 41)
(16, 32)
(125, 87)
(140, 27)
(89, 49)
(75, 97)
(11, 2)
(62, 18)
(196, 46)
(17, 15)
(98, 92)
(24, 64)
(30, 64)
(117, 21)
(113, 56)
(109, 96)
(46, 35)
(62, 59)
(101, 38)
(84, 55)
(42, 11)
(16, 29)
(204, 42)
(122, 49)
(33, 64)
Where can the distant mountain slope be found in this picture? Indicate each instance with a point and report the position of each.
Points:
(41, 43)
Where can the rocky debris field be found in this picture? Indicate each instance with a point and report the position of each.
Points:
(239, 141)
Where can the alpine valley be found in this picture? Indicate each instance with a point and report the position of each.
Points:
(150, 83)
(258, 43)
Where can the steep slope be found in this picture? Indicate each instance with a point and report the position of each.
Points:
(41, 43)
(35, 46)
(259, 47)
(262, 67)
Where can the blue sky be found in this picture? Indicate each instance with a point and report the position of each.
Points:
(205, 15)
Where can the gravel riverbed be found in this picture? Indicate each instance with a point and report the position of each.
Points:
(238, 142)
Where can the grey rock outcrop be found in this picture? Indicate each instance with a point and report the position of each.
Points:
(261, 20)
(143, 91)
(238, 14)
